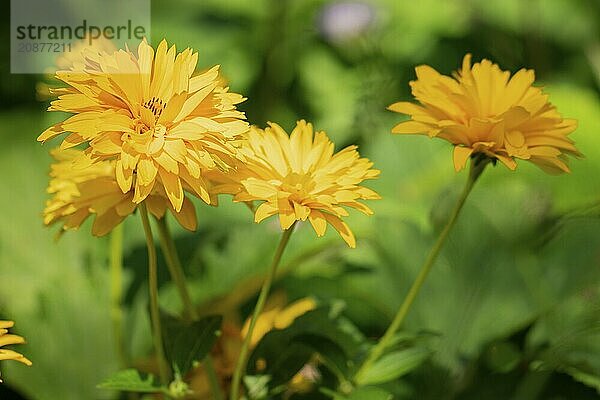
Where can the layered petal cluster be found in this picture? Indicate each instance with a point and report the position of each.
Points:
(482, 109)
(298, 177)
(163, 126)
(7, 339)
(79, 191)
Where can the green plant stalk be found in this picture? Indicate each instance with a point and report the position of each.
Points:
(163, 367)
(176, 270)
(116, 291)
(260, 304)
(476, 168)
(213, 379)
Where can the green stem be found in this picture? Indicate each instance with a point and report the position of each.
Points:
(532, 385)
(213, 379)
(260, 304)
(153, 289)
(116, 291)
(176, 270)
(476, 168)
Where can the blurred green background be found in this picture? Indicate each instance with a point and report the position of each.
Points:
(514, 301)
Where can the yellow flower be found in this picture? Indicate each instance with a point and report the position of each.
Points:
(483, 110)
(84, 52)
(298, 177)
(277, 316)
(160, 124)
(8, 339)
(80, 191)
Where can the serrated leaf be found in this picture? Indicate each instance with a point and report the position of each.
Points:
(394, 365)
(188, 342)
(130, 380)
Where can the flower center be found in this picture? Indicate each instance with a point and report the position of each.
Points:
(299, 185)
(155, 105)
(145, 139)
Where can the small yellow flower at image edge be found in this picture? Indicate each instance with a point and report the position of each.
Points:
(10, 339)
(482, 110)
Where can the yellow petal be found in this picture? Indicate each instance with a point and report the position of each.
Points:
(146, 171)
(10, 339)
(261, 190)
(285, 317)
(157, 205)
(187, 215)
(6, 324)
(411, 127)
(124, 176)
(105, 223)
(173, 188)
(13, 355)
(318, 222)
(405, 107)
(286, 214)
(342, 229)
(263, 211)
(461, 155)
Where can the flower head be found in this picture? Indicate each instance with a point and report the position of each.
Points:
(8, 339)
(298, 177)
(79, 192)
(483, 110)
(163, 126)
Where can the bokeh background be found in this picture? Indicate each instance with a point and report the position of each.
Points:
(513, 304)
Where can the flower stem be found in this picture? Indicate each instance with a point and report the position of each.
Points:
(213, 379)
(153, 289)
(260, 304)
(116, 291)
(476, 168)
(176, 270)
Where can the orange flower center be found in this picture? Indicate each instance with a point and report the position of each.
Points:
(155, 105)
(299, 185)
(146, 139)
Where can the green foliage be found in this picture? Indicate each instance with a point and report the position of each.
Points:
(186, 343)
(131, 380)
(511, 309)
(366, 393)
(318, 332)
(394, 365)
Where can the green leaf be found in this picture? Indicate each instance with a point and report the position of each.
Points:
(394, 365)
(130, 380)
(567, 339)
(286, 351)
(366, 392)
(188, 342)
(503, 357)
(584, 377)
(258, 386)
(331, 354)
